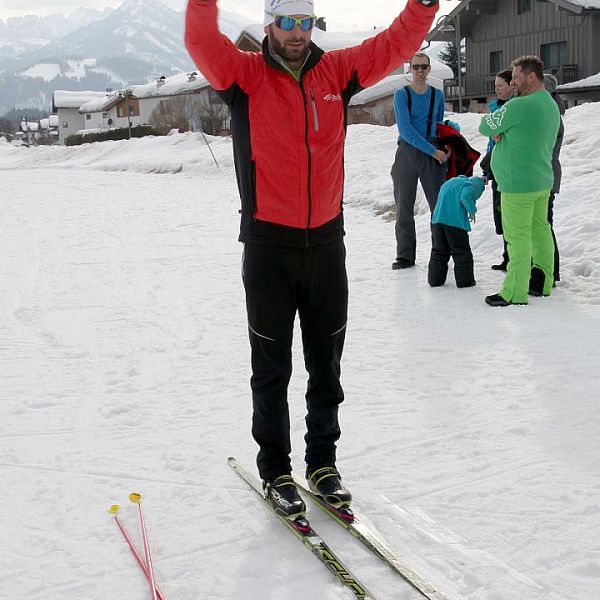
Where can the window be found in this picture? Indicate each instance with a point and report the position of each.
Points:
(554, 55)
(65, 125)
(88, 117)
(523, 6)
(496, 61)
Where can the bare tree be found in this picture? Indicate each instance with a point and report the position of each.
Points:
(171, 114)
(212, 112)
(182, 112)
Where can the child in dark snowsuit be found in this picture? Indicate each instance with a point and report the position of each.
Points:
(454, 210)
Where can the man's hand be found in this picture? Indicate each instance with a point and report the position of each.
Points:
(441, 156)
(497, 138)
(472, 218)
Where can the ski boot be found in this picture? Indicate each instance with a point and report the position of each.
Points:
(282, 496)
(326, 483)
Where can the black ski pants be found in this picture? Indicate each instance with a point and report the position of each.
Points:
(551, 221)
(280, 281)
(450, 241)
(496, 208)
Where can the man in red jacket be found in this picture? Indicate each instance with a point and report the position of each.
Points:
(289, 114)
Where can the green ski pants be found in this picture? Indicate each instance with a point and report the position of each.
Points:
(529, 238)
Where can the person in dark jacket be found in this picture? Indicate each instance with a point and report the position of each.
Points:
(504, 92)
(536, 282)
(289, 113)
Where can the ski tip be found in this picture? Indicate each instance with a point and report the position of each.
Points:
(135, 497)
(114, 509)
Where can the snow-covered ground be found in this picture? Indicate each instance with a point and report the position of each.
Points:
(471, 435)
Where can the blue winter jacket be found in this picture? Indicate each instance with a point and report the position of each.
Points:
(412, 127)
(456, 201)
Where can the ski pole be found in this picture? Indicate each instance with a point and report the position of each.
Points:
(213, 154)
(114, 512)
(137, 499)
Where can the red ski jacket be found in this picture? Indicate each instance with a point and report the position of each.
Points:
(462, 156)
(288, 135)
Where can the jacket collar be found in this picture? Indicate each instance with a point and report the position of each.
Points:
(315, 54)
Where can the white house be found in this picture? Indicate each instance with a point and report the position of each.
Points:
(135, 104)
(112, 111)
(66, 105)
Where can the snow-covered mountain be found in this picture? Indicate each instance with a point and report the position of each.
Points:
(139, 40)
(20, 34)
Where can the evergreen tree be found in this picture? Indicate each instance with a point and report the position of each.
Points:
(7, 128)
(449, 56)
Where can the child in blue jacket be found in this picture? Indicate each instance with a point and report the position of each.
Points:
(454, 210)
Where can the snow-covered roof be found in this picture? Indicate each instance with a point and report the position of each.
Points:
(591, 81)
(30, 126)
(593, 4)
(101, 104)
(387, 86)
(182, 83)
(71, 99)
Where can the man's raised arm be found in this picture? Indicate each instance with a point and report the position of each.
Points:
(214, 53)
(377, 57)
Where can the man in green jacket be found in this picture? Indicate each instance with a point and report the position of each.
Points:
(525, 130)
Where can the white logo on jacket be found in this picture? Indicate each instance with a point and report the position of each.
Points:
(332, 98)
(495, 119)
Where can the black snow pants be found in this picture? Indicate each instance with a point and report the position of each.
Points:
(280, 281)
(450, 241)
(496, 208)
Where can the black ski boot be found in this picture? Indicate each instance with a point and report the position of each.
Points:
(282, 495)
(326, 483)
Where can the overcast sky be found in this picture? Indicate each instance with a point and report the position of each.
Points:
(342, 15)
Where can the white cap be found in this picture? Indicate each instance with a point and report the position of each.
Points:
(287, 7)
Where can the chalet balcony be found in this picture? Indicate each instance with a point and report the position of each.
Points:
(564, 73)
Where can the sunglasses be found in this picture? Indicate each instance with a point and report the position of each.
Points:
(286, 23)
(419, 67)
